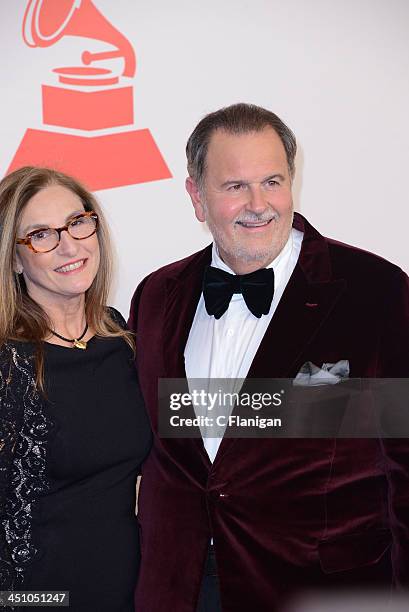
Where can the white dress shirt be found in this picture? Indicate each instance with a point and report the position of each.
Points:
(226, 347)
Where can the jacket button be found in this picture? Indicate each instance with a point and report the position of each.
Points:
(216, 495)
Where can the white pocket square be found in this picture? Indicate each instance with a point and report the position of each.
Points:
(327, 374)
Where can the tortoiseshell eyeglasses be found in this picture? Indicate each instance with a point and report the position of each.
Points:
(47, 239)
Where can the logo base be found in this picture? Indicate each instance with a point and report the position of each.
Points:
(100, 162)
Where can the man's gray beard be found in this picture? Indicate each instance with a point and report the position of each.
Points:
(240, 253)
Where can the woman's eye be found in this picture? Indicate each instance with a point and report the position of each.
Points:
(39, 236)
(78, 221)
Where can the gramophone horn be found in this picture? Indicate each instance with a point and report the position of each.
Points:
(46, 21)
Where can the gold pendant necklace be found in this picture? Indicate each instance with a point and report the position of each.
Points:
(81, 344)
(78, 343)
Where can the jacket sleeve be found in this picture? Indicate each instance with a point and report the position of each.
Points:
(133, 313)
(394, 363)
(393, 355)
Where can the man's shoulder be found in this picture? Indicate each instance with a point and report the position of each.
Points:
(151, 290)
(350, 261)
(346, 260)
(187, 265)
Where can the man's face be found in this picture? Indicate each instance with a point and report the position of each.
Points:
(246, 199)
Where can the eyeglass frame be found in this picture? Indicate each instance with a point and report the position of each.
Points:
(27, 239)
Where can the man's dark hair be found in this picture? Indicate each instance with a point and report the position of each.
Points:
(235, 119)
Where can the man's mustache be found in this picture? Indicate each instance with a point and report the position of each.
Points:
(257, 217)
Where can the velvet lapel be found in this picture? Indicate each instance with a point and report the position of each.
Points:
(182, 296)
(301, 311)
(308, 299)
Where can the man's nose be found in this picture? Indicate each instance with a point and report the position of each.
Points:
(257, 201)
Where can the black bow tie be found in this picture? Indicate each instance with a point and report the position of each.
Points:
(257, 289)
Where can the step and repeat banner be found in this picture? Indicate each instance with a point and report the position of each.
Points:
(110, 91)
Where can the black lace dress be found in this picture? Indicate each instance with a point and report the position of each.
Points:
(68, 469)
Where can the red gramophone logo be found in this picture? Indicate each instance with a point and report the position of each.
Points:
(89, 98)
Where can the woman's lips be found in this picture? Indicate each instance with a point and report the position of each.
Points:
(71, 267)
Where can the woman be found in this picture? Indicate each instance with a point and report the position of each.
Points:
(73, 431)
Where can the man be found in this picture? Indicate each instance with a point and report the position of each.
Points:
(247, 524)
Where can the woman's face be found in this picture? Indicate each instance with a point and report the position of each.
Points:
(67, 271)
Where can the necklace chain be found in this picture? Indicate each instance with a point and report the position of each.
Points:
(77, 342)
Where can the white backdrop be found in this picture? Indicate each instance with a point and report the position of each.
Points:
(336, 72)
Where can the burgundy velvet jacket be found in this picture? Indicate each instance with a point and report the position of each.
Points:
(286, 515)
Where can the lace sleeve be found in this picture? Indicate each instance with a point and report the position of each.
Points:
(25, 430)
(10, 425)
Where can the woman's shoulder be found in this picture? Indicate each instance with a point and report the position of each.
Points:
(117, 317)
(17, 370)
(16, 354)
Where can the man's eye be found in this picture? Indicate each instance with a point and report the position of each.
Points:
(272, 183)
(236, 187)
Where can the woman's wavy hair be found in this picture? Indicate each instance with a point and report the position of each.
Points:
(21, 318)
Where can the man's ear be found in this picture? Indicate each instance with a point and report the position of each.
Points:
(196, 197)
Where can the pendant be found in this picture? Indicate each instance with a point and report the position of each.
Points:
(80, 344)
